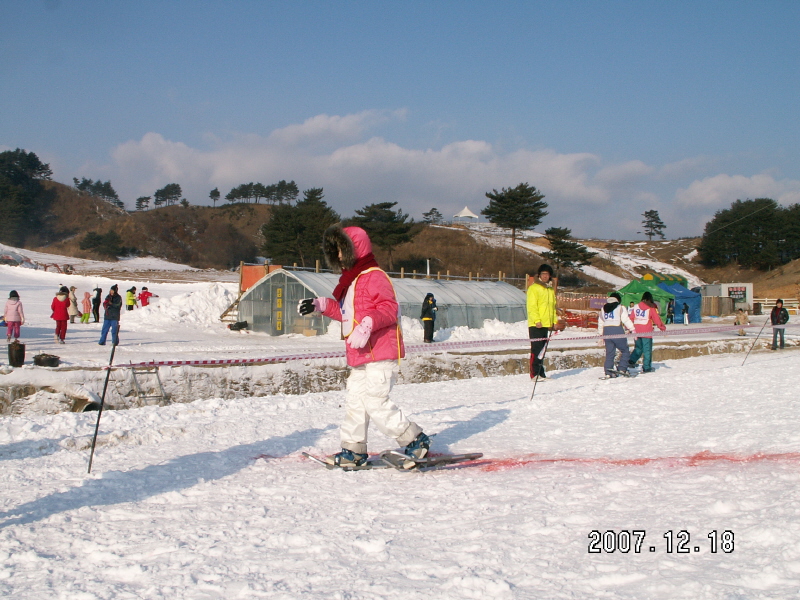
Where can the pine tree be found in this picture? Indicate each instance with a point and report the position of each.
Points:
(386, 228)
(564, 252)
(214, 196)
(294, 232)
(751, 233)
(22, 197)
(433, 216)
(143, 203)
(169, 194)
(521, 207)
(653, 225)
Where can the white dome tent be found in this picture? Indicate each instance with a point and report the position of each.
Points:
(466, 214)
(270, 305)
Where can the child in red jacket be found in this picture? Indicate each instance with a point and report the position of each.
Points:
(60, 307)
(145, 295)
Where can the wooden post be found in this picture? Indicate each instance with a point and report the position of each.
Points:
(241, 270)
(448, 274)
(402, 272)
(316, 267)
(414, 274)
(438, 274)
(470, 276)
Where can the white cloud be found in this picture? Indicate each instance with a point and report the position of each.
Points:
(585, 193)
(721, 190)
(332, 128)
(687, 167)
(625, 173)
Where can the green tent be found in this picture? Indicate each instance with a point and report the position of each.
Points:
(668, 278)
(634, 290)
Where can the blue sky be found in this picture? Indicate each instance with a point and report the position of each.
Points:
(609, 108)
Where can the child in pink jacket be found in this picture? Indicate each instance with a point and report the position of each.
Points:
(14, 315)
(645, 315)
(366, 305)
(87, 307)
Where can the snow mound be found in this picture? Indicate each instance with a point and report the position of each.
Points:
(150, 263)
(492, 329)
(200, 308)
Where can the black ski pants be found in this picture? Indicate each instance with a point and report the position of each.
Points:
(538, 349)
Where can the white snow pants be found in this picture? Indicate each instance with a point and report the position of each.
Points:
(368, 388)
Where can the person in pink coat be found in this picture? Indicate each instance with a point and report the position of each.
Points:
(645, 316)
(14, 315)
(365, 303)
(60, 307)
(86, 304)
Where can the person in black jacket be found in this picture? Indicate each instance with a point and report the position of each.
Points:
(778, 316)
(428, 317)
(113, 306)
(96, 301)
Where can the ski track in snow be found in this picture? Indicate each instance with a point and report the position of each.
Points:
(213, 500)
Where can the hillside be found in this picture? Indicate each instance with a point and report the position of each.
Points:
(485, 248)
(780, 282)
(199, 236)
(208, 237)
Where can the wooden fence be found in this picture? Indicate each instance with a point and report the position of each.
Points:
(792, 305)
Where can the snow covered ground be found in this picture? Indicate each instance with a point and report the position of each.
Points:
(137, 263)
(213, 499)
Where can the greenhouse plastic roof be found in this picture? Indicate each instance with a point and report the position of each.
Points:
(412, 291)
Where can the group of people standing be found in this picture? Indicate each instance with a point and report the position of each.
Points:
(65, 309)
(614, 321)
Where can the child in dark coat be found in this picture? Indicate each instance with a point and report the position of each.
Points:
(428, 317)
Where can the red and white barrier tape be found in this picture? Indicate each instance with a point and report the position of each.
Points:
(437, 347)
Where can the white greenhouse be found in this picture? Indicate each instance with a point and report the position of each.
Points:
(270, 305)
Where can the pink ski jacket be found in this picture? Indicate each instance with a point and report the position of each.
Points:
(14, 312)
(372, 295)
(644, 317)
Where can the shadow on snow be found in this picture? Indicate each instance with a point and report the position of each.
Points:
(183, 472)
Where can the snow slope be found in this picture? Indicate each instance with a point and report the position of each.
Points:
(213, 499)
(137, 263)
(496, 236)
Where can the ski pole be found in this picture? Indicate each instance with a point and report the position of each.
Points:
(755, 340)
(102, 401)
(541, 359)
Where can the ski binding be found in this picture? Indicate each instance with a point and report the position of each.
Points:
(403, 462)
(373, 462)
(618, 374)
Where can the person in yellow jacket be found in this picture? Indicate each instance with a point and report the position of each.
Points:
(542, 317)
(130, 299)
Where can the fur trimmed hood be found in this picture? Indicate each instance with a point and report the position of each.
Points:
(353, 242)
